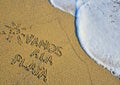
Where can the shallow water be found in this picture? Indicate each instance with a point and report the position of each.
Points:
(98, 29)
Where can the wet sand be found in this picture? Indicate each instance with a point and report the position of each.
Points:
(70, 65)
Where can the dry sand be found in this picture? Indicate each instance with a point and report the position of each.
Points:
(38, 17)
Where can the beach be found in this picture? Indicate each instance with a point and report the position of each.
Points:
(39, 47)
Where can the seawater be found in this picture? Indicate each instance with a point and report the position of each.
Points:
(97, 29)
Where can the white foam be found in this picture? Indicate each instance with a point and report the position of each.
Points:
(98, 24)
(64, 5)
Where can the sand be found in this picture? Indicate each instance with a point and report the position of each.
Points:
(21, 19)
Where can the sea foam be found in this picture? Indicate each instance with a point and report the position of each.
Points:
(64, 5)
(98, 29)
